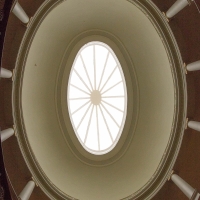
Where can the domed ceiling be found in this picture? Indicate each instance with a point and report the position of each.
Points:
(151, 63)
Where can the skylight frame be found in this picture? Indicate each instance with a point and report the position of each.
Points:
(102, 107)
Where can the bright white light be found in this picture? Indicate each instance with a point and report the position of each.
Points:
(97, 98)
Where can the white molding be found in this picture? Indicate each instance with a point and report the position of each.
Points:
(194, 66)
(19, 12)
(5, 73)
(177, 7)
(7, 133)
(194, 125)
(27, 191)
(187, 189)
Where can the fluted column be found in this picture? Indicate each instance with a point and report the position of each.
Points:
(177, 7)
(27, 191)
(5, 73)
(187, 189)
(194, 125)
(20, 13)
(195, 66)
(5, 134)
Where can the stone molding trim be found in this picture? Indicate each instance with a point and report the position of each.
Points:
(169, 157)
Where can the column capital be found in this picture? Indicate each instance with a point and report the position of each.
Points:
(190, 2)
(27, 191)
(168, 19)
(186, 123)
(13, 5)
(187, 189)
(7, 133)
(170, 175)
(5, 73)
(19, 12)
(194, 66)
(177, 7)
(185, 68)
(33, 179)
(194, 125)
(194, 195)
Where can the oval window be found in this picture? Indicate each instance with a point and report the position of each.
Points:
(97, 98)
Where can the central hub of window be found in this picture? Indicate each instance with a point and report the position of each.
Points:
(97, 98)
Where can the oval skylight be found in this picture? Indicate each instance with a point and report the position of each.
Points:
(97, 98)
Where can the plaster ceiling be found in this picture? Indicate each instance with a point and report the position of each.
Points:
(155, 94)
